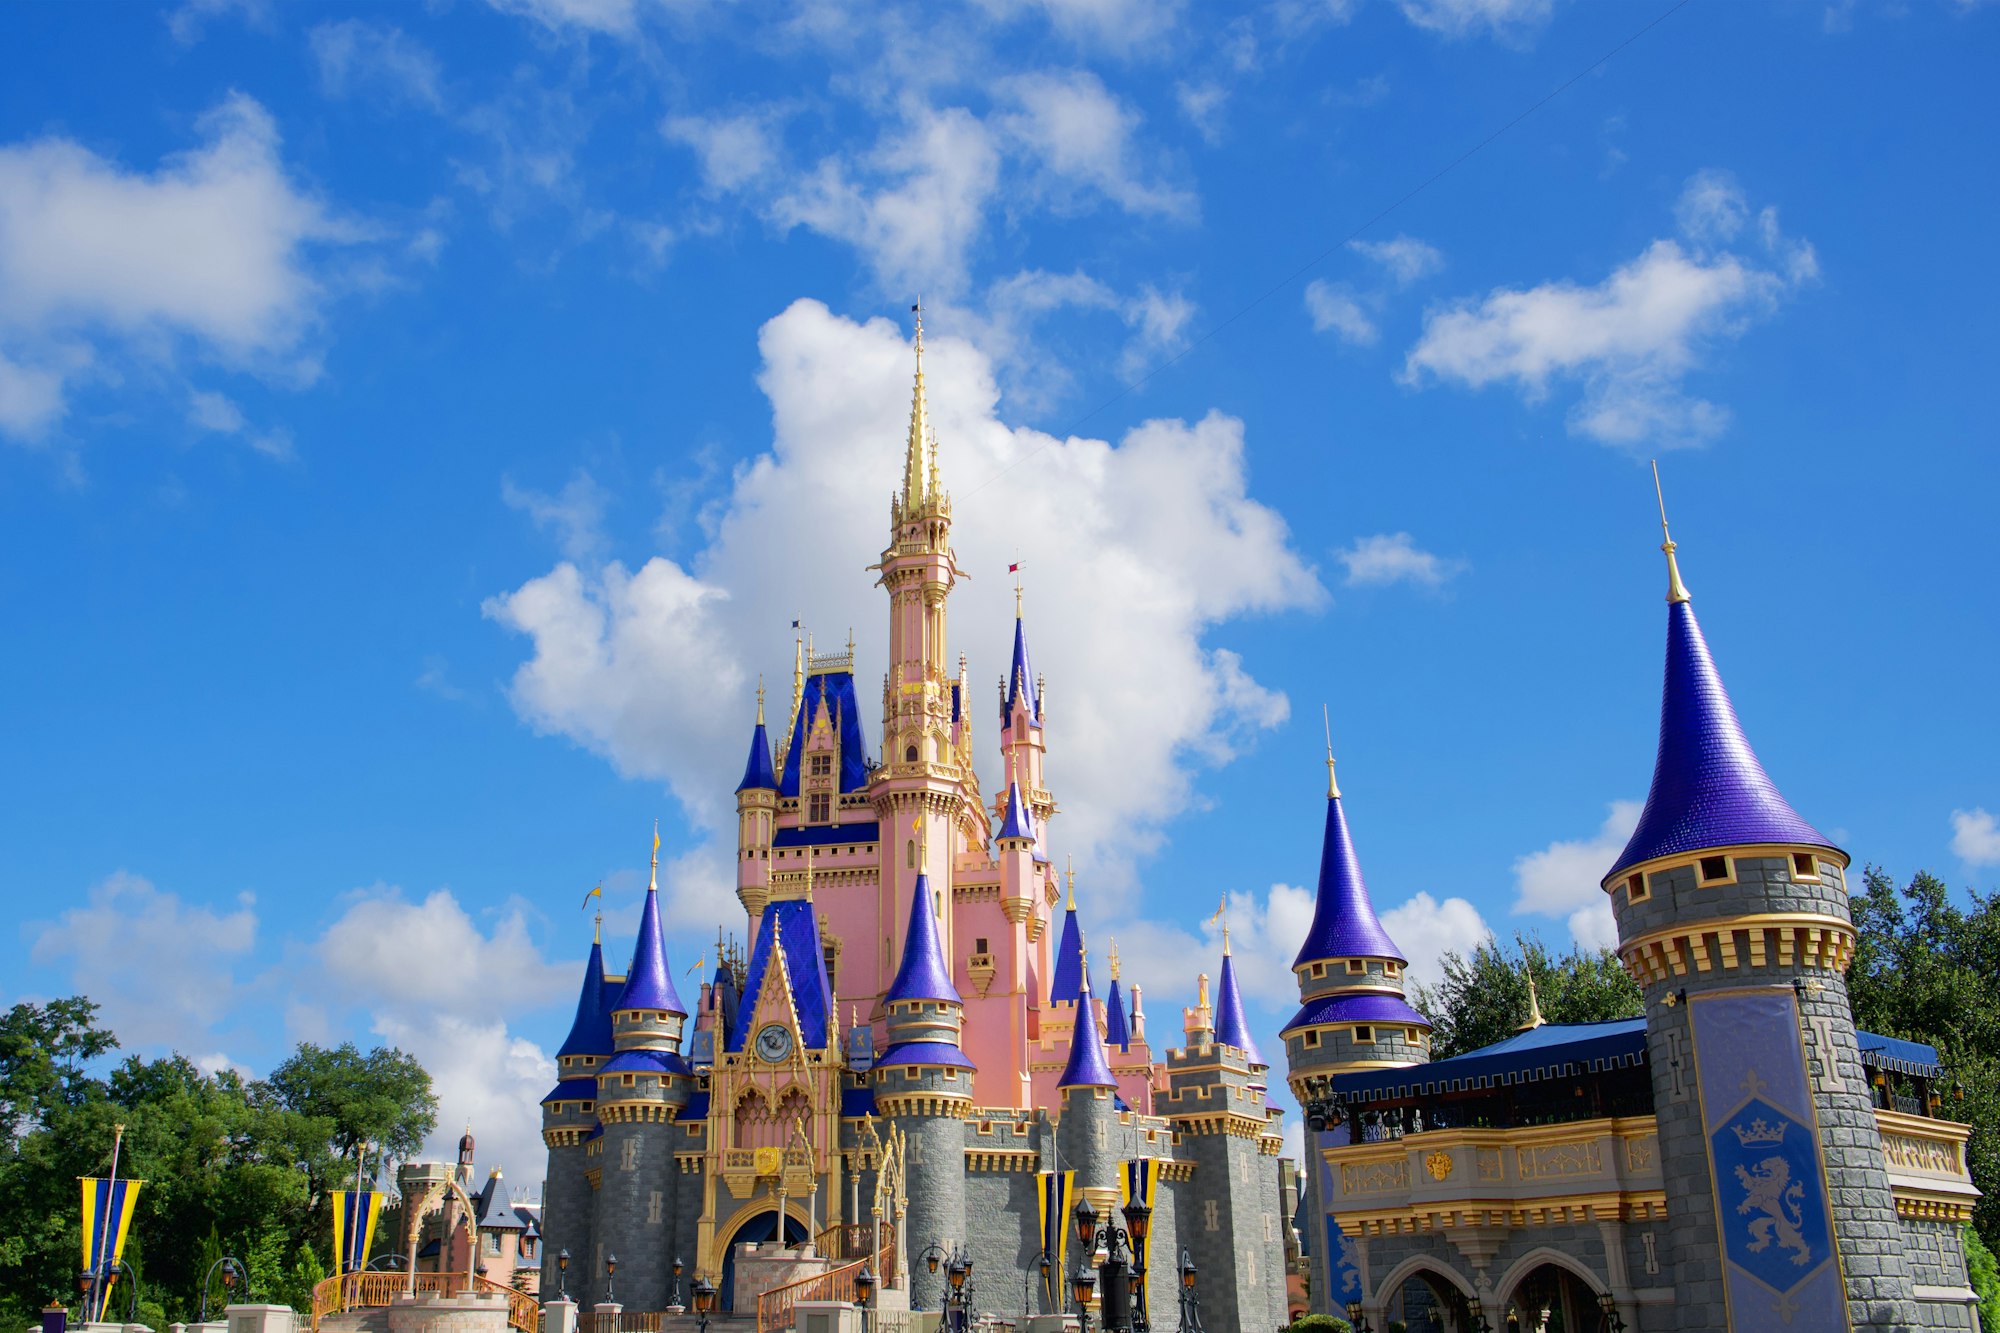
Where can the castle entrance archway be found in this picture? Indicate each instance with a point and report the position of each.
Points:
(757, 1228)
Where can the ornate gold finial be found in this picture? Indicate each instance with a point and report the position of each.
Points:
(913, 462)
(1535, 1018)
(654, 882)
(1015, 570)
(597, 929)
(760, 698)
(1676, 590)
(1069, 874)
(1201, 990)
(1111, 956)
(1225, 939)
(809, 874)
(1326, 719)
(922, 829)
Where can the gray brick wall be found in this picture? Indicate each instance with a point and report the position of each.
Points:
(566, 1214)
(1936, 1256)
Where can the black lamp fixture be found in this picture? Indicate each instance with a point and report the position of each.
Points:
(864, 1287)
(232, 1273)
(1138, 1226)
(562, 1273)
(1357, 1318)
(1082, 1285)
(704, 1301)
(677, 1281)
(1086, 1225)
(1607, 1304)
(610, 1271)
(1479, 1324)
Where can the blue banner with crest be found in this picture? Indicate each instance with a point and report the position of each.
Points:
(1771, 1200)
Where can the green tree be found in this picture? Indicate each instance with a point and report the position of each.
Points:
(1928, 970)
(1983, 1276)
(1483, 997)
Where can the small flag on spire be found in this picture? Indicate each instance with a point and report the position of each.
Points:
(1014, 568)
(700, 965)
(1221, 909)
(597, 893)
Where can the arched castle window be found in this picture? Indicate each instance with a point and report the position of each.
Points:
(910, 754)
(910, 854)
(753, 1118)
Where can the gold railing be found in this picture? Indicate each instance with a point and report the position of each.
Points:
(361, 1291)
(775, 1307)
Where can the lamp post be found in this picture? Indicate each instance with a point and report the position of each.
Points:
(1138, 1225)
(610, 1271)
(864, 1287)
(387, 1262)
(562, 1273)
(1479, 1324)
(675, 1300)
(1115, 1311)
(232, 1273)
(1190, 1304)
(1358, 1319)
(957, 1271)
(1607, 1304)
(1044, 1262)
(704, 1301)
(1081, 1283)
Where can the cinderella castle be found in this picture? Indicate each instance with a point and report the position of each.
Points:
(910, 1051)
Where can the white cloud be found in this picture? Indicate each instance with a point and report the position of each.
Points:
(1406, 258)
(1509, 20)
(913, 206)
(118, 945)
(186, 23)
(617, 18)
(1631, 340)
(357, 57)
(1116, 25)
(1394, 557)
(211, 411)
(1565, 877)
(1134, 552)
(1334, 308)
(1426, 930)
(209, 250)
(1975, 837)
(1202, 104)
(734, 150)
(1081, 134)
(575, 514)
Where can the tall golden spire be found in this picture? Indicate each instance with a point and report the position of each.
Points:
(1069, 873)
(915, 472)
(1112, 955)
(1676, 590)
(1332, 787)
(654, 883)
(760, 698)
(1535, 1018)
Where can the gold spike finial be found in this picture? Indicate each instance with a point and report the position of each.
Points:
(760, 698)
(1069, 873)
(1225, 939)
(1535, 1018)
(1676, 590)
(809, 874)
(914, 471)
(1332, 787)
(597, 930)
(922, 830)
(654, 882)
(1111, 955)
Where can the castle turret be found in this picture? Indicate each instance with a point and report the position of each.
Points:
(756, 817)
(643, 1084)
(923, 1081)
(1087, 1098)
(1353, 1016)
(1732, 914)
(1021, 740)
(569, 1115)
(1232, 1028)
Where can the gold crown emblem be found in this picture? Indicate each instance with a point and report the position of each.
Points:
(1759, 1131)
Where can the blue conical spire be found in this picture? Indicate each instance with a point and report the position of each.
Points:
(923, 974)
(1070, 981)
(649, 982)
(590, 1031)
(1087, 1067)
(759, 774)
(1709, 790)
(1021, 678)
(1344, 923)
(1117, 1031)
(1019, 821)
(1231, 1028)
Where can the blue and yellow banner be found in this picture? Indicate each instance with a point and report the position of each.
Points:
(108, 1206)
(1771, 1204)
(1137, 1179)
(1055, 1190)
(354, 1215)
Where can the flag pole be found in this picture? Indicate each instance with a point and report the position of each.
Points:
(102, 1284)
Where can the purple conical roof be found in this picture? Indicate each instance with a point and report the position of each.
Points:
(1020, 820)
(649, 983)
(1708, 788)
(1117, 1031)
(923, 974)
(590, 1032)
(1231, 1028)
(758, 772)
(1021, 680)
(1069, 981)
(1344, 923)
(1087, 1067)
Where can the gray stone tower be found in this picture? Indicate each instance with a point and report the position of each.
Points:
(923, 1083)
(568, 1118)
(643, 1085)
(1352, 1016)
(1732, 913)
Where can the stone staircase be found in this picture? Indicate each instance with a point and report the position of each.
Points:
(374, 1320)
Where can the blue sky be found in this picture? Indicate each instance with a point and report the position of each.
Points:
(420, 425)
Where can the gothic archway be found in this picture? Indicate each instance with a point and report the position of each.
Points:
(754, 1225)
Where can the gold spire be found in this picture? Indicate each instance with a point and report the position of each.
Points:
(654, 883)
(1017, 584)
(1535, 1018)
(597, 930)
(809, 874)
(914, 472)
(798, 679)
(1225, 939)
(760, 698)
(1676, 590)
(1332, 787)
(1069, 873)
(922, 830)
(1112, 956)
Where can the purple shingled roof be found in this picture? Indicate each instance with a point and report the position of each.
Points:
(1344, 923)
(1117, 1031)
(1352, 1007)
(649, 983)
(1708, 788)
(923, 974)
(1087, 1067)
(925, 1053)
(1021, 680)
(590, 1033)
(644, 1062)
(758, 772)
(1069, 980)
(1231, 1029)
(1020, 820)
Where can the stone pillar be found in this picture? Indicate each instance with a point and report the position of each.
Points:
(559, 1316)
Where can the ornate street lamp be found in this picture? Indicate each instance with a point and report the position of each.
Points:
(1115, 1311)
(1357, 1318)
(610, 1271)
(864, 1287)
(1139, 1225)
(704, 1301)
(232, 1273)
(1614, 1322)
(1190, 1305)
(562, 1273)
(1081, 1284)
(677, 1281)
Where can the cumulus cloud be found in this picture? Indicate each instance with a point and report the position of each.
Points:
(1630, 341)
(616, 18)
(1975, 837)
(211, 252)
(216, 413)
(1509, 20)
(1134, 553)
(1081, 135)
(1426, 930)
(1406, 259)
(1335, 309)
(356, 58)
(116, 942)
(1394, 557)
(733, 150)
(574, 515)
(1564, 878)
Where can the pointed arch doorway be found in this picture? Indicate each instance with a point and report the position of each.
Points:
(757, 1228)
